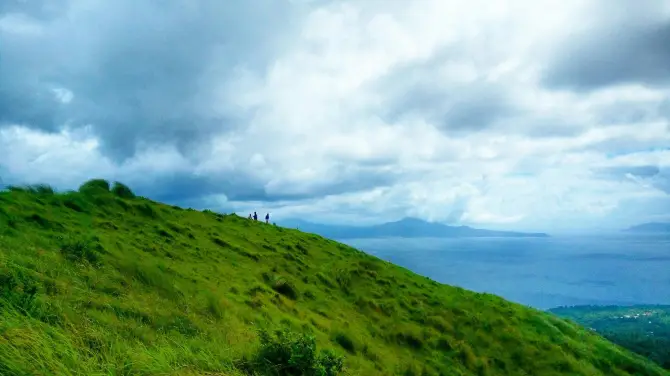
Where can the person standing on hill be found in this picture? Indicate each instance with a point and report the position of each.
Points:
(255, 216)
(267, 218)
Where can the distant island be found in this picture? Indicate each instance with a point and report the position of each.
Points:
(650, 228)
(405, 228)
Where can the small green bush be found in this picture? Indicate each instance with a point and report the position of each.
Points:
(94, 186)
(39, 220)
(122, 190)
(289, 354)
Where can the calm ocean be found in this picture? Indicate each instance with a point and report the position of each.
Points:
(542, 273)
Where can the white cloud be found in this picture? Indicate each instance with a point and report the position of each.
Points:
(371, 111)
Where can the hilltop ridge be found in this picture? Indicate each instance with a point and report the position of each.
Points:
(102, 282)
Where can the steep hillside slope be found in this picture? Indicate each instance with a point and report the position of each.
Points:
(92, 283)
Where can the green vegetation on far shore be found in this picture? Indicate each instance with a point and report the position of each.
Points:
(644, 329)
(101, 282)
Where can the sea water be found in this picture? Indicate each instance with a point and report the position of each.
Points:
(540, 272)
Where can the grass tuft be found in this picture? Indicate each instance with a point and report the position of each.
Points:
(81, 250)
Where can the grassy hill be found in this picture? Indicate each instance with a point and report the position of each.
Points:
(98, 282)
(644, 329)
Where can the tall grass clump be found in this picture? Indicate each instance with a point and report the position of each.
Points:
(18, 293)
(95, 186)
(40, 189)
(81, 250)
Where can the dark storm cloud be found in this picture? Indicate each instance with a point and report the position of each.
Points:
(454, 109)
(631, 112)
(621, 172)
(655, 176)
(140, 72)
(189, 188)
(474, 109)
(631, 45)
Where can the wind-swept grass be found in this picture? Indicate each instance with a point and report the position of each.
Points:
(101, 282)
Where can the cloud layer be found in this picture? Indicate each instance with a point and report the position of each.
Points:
(523, 115)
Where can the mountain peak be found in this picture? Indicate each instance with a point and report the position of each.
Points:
(651, 227)
(412, 220)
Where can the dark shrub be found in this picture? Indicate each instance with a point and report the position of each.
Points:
(74, 201)
(285, 288)
(220, 242)
(164, 233)
(346, 342)
(301, 248)
(288, 354)
(146, 210)
(444, 344)
(410, 340)
(122, 190)
(39, 220)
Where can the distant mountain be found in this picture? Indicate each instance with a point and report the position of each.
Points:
(405, 228)
(651, 228)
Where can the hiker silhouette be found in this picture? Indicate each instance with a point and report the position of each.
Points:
(267, 218)
(255, 216)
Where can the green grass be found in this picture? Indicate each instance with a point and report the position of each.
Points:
(100, 282)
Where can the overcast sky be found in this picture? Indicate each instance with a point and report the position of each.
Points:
(537, 115)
